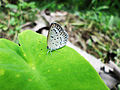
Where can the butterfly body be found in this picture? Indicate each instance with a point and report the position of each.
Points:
(57, 37)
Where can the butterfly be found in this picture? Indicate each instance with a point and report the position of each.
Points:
(57, 37)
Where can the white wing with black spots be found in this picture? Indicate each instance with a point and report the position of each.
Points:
(57, 37)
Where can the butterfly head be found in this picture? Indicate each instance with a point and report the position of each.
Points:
(47, 47)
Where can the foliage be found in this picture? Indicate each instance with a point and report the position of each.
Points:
(108, 25)
(13, 16)
(28, 66)
(112, 4)
(67, 5)
(76, 5)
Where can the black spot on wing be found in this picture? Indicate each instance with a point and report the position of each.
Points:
(51, 36)
(60, 43)
(60, 38)
(61, 33)
(55, 44)
(55, 31)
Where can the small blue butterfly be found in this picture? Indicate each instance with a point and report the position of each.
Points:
(57, 37)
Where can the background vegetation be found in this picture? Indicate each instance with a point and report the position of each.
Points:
(100, 15)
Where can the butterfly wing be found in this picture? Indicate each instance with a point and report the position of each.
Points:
(57, 37)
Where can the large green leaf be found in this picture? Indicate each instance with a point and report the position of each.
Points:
(29, 67)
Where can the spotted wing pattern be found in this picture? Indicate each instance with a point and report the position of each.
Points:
(57, 37)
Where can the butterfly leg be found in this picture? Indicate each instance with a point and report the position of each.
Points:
(49, 51)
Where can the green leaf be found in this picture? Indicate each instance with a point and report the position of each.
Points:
(29, 67)
(11, 32)
(23, 5)
(102, 8)
(32, 5)
(17, 28)
(12, 21)
(5, 28)
(12, 13)
(6, 44)
(12, 6)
